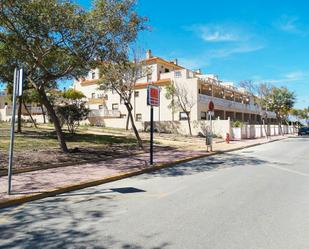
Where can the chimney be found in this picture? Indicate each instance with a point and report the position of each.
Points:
(148, 54)
(198, 71)
(175, 62)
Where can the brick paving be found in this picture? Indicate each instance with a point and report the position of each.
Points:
(41, 181)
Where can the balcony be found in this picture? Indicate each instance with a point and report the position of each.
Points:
(105, 113)
(93, 101)
(225, 104)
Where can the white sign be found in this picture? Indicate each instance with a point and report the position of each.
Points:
(20, 81)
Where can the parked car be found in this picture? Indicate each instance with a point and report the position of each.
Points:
(303, 131)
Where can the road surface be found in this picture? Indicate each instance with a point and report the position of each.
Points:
(249, 199)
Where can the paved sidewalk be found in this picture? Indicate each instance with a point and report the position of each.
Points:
(42, 182)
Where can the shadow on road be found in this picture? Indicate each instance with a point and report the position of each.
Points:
(64, 222)
(208, 164)
(78, 219)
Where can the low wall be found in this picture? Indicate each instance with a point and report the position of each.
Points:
(219, 127)
(38, 118)
(114, 122)
(199, 128)
(258, 131)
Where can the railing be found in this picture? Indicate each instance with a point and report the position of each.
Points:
(105, 113)
(33, 110)
(228, 104)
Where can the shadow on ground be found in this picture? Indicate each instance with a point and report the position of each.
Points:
(66, 221)
(226, 160)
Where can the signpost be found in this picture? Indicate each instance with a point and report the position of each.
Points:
(153, 99)
(209, 136)
(17, 91)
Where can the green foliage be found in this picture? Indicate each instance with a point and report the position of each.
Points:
(55, 40)
(279, 100)
(237, 124)
(301, 114)
(72, 114)
(72, 94)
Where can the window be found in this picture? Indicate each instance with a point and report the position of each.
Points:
(149, 77)
(183, 116)
(203, 115)
(167, 70)
(93, 95)
(101, 107)
(177, 74)
(115, 107)
(138, 117)
(93, 75)
(136, 93)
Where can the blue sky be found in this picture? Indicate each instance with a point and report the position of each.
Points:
(238, 40)
(264, 41)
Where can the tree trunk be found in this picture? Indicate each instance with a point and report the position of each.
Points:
(189, 124)
(138, 138)
(20, 100)
(264, 127)
(127, 123)
(55, 120)
(43, 113)
(27, 110)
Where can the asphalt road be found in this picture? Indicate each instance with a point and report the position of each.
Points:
(249, 199)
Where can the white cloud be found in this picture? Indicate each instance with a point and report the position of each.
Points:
(223, 40)
(296, 75)
(289, 24)
(239, 49)
(288, 77)
(218, 32)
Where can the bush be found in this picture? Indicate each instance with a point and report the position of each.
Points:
(72, 114)
(237, 124)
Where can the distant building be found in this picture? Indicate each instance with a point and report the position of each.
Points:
(6, 109)
(230, 102)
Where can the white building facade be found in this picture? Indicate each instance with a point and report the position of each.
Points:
(230, 102)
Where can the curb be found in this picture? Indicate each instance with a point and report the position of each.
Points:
(92, 183)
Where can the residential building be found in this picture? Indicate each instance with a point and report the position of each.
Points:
(230, 102)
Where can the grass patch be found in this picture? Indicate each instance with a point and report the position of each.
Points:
(45, 138)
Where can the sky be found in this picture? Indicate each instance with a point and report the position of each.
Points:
(236, 40)
(263, 41)
(259, 40)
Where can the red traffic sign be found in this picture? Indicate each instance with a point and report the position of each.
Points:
(153, 96)
(211, 106)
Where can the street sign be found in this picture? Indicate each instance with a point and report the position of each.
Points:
(211, 113)
(211, 106)
(19, 91)
(153, 96)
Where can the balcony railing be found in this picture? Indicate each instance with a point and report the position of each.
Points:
(228, 104)
(105, 113)
(33, 110)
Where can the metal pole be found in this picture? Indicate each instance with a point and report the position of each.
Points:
(151, 135)
(10, 168)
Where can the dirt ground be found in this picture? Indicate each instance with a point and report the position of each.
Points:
(38, 149)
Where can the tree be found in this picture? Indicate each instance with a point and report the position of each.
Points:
(72, 114)
(301, 114)
(56, 39)
(280, 100)
(74, 96)
(122, 77)
(181, 99)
